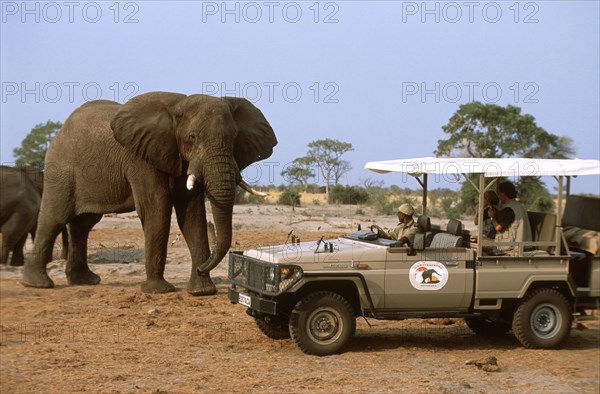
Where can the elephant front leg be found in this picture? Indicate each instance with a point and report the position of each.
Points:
(156, 222)
(191, 217)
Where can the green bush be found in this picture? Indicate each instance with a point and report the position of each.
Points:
(348, 195)
(289, 197)
(386, 206)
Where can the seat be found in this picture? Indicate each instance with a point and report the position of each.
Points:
(450, 239)
(543, 227)
(454, 227)
(420, 240)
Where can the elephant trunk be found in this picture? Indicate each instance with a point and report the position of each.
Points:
(220, 181)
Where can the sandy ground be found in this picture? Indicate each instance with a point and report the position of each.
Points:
(113, 338)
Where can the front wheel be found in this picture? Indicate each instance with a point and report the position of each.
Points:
(322, 323)
(542, 320)
(272, 326)
(486, 326)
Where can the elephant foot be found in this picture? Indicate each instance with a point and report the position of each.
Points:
(17, 263)
(83, 277)
(201, 285)
(39, 279)
(157, 286)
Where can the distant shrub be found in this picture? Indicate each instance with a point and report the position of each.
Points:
(348, 195)
(384, 205)
(359, 212)
(289, 197)
(451, 207)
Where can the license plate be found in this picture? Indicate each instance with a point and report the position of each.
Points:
(244, 299)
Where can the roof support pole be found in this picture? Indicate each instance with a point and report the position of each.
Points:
(559, 210)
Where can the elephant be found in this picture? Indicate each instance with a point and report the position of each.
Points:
(19, 210)
(156, 152)
(19, 207)
(428, 275)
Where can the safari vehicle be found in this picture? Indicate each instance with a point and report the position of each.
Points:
(313, 292)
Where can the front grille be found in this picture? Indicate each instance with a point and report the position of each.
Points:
(260, 276)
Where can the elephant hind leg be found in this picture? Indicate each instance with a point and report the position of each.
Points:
(77, 269)
(18, 259)
(34, 271)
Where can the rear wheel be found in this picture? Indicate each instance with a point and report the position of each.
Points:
(322, 323)
(543, 319)
(274, 327)
(486, 326)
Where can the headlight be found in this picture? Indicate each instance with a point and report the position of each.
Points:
(270, 274)
(286, 272)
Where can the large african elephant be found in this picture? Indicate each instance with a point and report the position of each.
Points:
(19, 207)
(157, 151)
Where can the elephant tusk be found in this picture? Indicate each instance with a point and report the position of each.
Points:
(250, 190)
(190, 181)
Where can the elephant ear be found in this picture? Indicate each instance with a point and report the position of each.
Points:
(256, 138)
(145, 126)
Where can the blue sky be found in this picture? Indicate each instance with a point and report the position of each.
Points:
(382, 75)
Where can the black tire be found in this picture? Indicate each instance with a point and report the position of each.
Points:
(487, 327)
(543, 319)
(322, 323)
(272, 326)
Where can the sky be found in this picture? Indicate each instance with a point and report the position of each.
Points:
(382, 75)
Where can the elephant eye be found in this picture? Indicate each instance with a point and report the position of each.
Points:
(192, 137)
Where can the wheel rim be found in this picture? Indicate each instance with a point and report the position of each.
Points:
(546, 321)
(325, 325)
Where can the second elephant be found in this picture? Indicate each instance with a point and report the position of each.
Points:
(19, 206)
(157, 151)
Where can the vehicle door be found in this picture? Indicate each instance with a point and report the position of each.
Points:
(431, 279)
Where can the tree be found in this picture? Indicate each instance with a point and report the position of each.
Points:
(342, 168)
(492, 131)
(326, 154)
(34, 146)
(299, 171)
(534, 195)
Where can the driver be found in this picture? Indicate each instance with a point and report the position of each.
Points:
(407, 228)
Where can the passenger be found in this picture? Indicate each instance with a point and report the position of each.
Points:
(490, 200)
(512, 225)
(407, 228)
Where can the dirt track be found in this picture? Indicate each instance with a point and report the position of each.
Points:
(113, 338)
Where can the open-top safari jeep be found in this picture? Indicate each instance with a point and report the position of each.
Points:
(313, 292)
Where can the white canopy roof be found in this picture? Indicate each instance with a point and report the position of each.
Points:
(488, 167)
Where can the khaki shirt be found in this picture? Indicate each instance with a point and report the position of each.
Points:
(519, 230)
(407, 230)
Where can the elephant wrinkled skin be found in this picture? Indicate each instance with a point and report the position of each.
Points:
(20, 190)
(157, 151)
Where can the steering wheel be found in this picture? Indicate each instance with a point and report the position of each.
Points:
(380, 232)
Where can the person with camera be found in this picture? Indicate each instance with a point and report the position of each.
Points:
(490, 203)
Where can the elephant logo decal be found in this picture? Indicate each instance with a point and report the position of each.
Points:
(428, 275)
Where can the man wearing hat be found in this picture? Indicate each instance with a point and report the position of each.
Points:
(407, 228)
